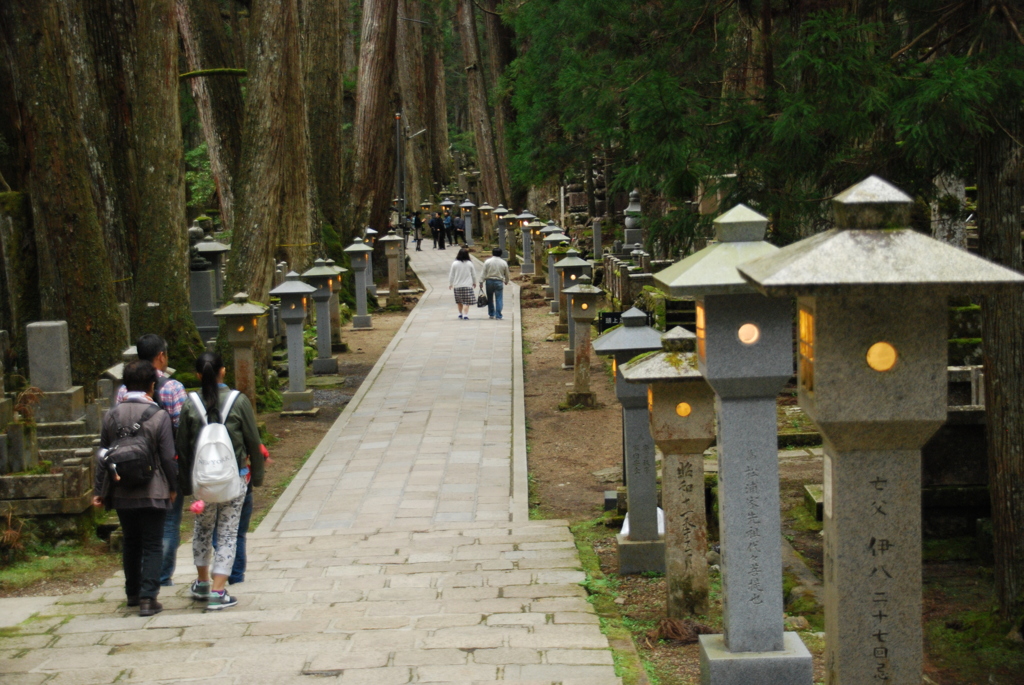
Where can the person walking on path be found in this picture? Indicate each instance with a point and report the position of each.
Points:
(495, 277)
(449, 227)
(460, 230)
(437, 230)
(240, 423)
(417, 224)
(170, 396)
(142, 507)
(462, 279)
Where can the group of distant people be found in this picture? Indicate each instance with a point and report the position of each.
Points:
(155, 412)
(444, 229)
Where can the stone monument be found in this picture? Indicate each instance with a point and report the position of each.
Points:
(584, 310)
(293, 294)
(202, 288)
(49, 369)
(214, 252)
(681, 407)
(745, 351)
(872, 354)
(597, 238)
(633, 235)
(644, 549)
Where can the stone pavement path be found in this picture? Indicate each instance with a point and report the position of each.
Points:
(400, 553)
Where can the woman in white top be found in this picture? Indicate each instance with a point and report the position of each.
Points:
(462, 279)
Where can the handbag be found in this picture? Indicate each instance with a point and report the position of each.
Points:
(481, 300)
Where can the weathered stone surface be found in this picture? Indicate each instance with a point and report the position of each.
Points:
(49, 355)
(720, 666)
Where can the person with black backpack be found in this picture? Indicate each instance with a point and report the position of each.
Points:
(169, 396)
(218, 404)
(136, 475)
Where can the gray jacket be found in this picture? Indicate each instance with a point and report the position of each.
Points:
(157, 429)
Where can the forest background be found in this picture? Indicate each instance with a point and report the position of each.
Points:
(120, 120)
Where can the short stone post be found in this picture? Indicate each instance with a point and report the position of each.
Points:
(241, 319)
(359, 253)
(337, 344)
(584, 310)
(49, 369)
(872, 356)
(744, 349)
(682, 420)
(321, 277)
(391, 244)
(644, 549)
(293, 294)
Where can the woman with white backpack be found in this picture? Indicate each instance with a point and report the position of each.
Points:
(215, 426)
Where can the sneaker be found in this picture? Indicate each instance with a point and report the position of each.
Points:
(200, 590)
(220, 600)
(460, 316)
(149, 606)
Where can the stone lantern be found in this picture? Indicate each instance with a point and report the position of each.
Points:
(322, 278)
(551, 241)
(499, 214)
(293, 294)
(633, 235)
(523, 222)
(872, 355)
(202, 287)
(745, 351)
(426, 205)
(240, 319)
(392, 244)
(568, 271)
(447, 203)
(214, 251)
(681, 407)
(334, 306)
(467, 216)
(530, 234)
(370, 238)
(584, 310)
(358, 253)
(538, 245)
(644, 550)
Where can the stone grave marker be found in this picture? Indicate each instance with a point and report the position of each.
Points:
(49, 364)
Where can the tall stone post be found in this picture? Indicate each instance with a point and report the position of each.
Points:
(584, 310)
(337, 345)
(744, 350)
(358, 253)
(294, 294)
(528, 236)
(370, 238)
(467, 208)
(597, 239)
(872, 356)
(322, 277)
(391, 244)
(643, 549)
(240, 319)
(538, 257)
(682, 421)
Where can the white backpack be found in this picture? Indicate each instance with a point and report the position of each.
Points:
(215, 469)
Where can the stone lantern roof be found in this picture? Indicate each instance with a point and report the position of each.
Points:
(292, 286)
(241, 306)
(712, 271)
(553, 239)
(873, 251)
(583, 288)
(358, 247)
(676, 362)
(550, 227)
(634, 336)
(571, 259)
(208, 246)
(320, 270)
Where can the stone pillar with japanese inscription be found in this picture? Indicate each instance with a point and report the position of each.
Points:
(872, 355)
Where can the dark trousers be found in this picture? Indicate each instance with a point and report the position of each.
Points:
(143, 550)
(238, 568)
(172, 538)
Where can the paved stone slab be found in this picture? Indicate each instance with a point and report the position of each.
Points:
(400, 553)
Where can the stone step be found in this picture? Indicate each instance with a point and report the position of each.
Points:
(58, 456)
(62, 428)
(55, 442)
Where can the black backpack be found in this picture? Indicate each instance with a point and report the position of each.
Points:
(129, 459)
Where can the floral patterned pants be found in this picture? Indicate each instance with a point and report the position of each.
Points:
(223, 516)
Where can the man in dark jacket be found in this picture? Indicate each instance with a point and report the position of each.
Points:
(140, 509)
(437, 229)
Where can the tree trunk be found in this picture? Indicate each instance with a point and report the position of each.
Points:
(374, 163)
(500, 55)
(412, 85)
(436, 112)
(324, 85)
(1000, 196)
(274, 213)
(478, 113)
(101, 38)
(218, 98)
(161, 269)
(75, 278)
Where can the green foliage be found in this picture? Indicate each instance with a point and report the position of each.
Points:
(974, 644)
(673, 94)
(199, 178)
